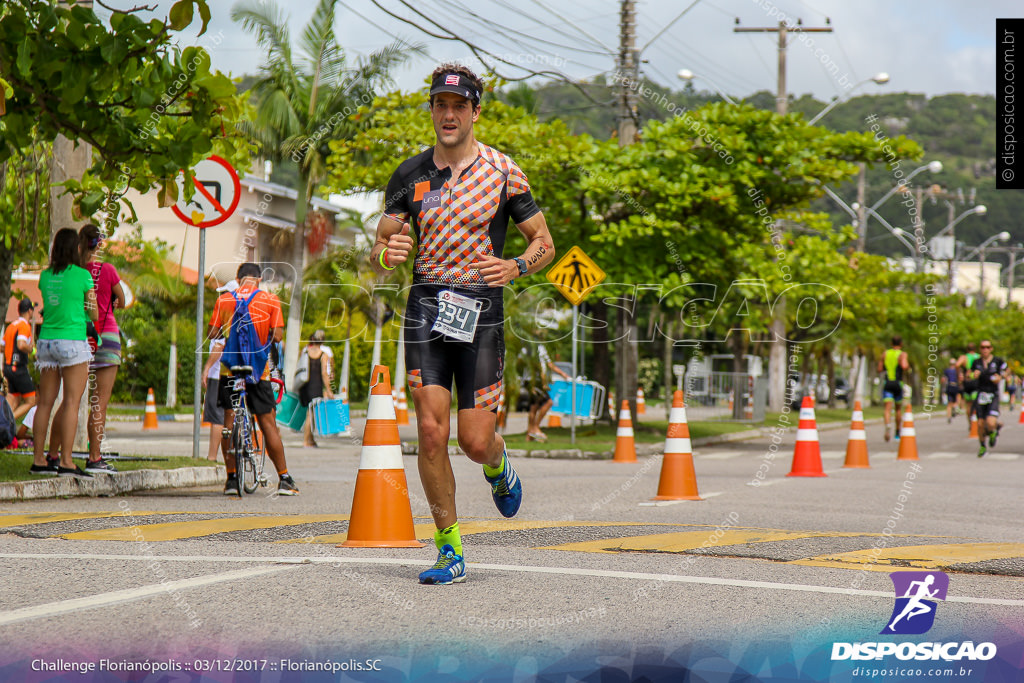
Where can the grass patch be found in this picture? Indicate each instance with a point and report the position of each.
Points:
(140, 410)
(14, 466)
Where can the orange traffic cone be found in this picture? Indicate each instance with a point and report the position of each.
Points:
(908, 437)
(807, 453)
(554, 420)
(1021, 420)
(974, 427)
(402, 408)
(381, 513)
(149, 420)
(857, 444)
(678, 480)
(611, 406)
(625, 449)
(641, 405)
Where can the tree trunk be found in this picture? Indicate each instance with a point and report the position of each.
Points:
(830, 366)
(293, 329)
(6, 268)
(68, 162)
(627, 357)
(777, 360)
(602, 358)
(172, 367)
(667, 376)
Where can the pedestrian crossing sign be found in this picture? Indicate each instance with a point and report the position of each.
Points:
(575, 275)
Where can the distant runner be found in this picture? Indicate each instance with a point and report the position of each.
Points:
(989, 370)
(893, 365)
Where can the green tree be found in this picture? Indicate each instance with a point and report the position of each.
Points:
(302, 104)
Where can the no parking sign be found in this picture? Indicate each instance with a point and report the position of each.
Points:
(217, 191)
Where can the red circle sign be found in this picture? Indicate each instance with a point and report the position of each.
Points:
(217, 193)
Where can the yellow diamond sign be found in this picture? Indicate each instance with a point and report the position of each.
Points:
(575, 275)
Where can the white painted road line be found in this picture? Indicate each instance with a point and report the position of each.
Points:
(943, 455)
(51, 609)
(1003, 456)
(720, 455)
(292, 562)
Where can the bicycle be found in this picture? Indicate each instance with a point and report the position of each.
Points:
(250, 456)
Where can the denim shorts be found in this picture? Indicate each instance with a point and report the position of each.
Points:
(62, 353)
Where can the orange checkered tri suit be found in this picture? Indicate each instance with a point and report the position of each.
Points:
(458, 221)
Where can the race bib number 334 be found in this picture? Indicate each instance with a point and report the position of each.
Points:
(457, 315)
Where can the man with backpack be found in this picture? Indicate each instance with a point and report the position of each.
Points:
(252, 321)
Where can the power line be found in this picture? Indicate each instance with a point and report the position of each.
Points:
(478, 51)
(596, 40)
(497, 28)
(670, 24)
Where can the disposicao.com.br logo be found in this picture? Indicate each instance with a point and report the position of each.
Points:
(913, 614)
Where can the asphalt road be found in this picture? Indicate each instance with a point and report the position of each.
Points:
(761, 577)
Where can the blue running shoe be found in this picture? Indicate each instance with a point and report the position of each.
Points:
(506, 489)
(449, 568)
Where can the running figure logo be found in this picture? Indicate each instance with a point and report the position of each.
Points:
(916, 593)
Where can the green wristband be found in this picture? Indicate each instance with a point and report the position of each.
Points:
(380, 259)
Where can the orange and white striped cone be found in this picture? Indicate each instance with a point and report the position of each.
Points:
(554, 420)
(857, 444)
(1021, 420)
(381, 513)
(149, 421)
(401, 408)
(611, 406)
(641, 405)
(807, 453)
(974, 427)
(625, 448)
(678, 480)
(908, 438)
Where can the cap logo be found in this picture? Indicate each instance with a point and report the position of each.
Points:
(452, 79)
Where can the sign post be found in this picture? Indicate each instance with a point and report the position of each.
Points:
(217, 191)
(575, 276)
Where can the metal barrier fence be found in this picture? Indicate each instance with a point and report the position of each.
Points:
(732, 396)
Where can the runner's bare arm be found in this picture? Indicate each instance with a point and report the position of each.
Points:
(540, 251)
(394, 238)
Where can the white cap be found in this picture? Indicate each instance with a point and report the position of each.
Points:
(229, 286)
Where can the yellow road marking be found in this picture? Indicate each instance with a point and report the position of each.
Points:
(172, 531)
(48, 517)
(916, 556)
(689, 540)
(426, 531)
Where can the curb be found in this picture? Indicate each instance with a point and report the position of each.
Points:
(113, 484)
(648, 449)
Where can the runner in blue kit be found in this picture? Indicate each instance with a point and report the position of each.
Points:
(989, 370)
(456, 199)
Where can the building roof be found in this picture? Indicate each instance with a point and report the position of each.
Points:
(256, 183)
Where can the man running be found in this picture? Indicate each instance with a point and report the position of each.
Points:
(917, 591)
(458, 197)
(989, 370)
(968, 380)
(265, 311)
(893, 365)
(18, 343)
(951, 378)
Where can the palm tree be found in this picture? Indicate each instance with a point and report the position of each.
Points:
(302, 104)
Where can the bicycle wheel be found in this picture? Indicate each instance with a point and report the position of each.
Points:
(238, 449)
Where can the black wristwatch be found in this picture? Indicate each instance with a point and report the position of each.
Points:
(522, 265)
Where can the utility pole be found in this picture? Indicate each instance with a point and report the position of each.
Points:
(627, 350)
(777, 361)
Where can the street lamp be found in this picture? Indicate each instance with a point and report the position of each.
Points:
(1001, 237)
(879, 78)
(687, 75)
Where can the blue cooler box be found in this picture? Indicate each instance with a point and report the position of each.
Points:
(330, 416)
(561, 395)
(287, 407)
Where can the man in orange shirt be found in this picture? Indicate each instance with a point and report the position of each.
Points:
(265, 310)
(18, 343)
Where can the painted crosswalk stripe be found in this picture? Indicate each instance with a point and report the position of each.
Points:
(172, 531)
(916, 556)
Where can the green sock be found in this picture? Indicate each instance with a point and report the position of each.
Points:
(493, 472)
(449, 536)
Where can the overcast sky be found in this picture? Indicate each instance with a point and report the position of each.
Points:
(929, 46)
